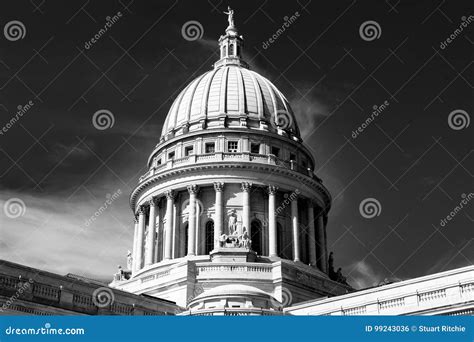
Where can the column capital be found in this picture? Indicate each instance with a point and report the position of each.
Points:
(246, 186)
(169, 194)
(141, 210)
(153, 202)
(193, 189)
(135, 219)
(218, 186)
(272, 189)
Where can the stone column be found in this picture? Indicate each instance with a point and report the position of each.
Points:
(150, 238)
(321, 240)
(219, 221)
(168, 229)
(272, 231)
(311, 234)
(192, 189)
(140, 234)
(296, 229)
(135, 250)
(246, 207)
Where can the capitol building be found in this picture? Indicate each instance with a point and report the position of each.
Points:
(230, 219)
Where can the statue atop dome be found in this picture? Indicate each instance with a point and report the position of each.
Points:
(230, 17)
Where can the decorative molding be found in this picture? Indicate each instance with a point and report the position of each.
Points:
(170, 194)
(193, 189)
(272, 189)
(218, 186)
(153, 202)
(246, 186)
(141, 210)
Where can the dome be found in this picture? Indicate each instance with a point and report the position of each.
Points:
(231, 91)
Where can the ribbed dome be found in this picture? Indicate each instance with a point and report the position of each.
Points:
(232, 91)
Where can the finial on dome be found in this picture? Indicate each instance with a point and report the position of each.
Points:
(230, 44)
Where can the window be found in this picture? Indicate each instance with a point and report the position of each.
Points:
(256, 231)
(276, 151)
(232, 146)
(158, 162)
(171, 155)
(292, 156)
(254, 148)
(230, 52)
(188, 150)
(209, 236)
(210, 147)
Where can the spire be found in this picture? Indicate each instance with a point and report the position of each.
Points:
(230, 44)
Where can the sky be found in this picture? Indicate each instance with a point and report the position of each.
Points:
(413, 160)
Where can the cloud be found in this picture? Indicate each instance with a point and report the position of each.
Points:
(362, 275)
(52, 234)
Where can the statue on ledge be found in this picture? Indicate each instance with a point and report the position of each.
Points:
(129, 260)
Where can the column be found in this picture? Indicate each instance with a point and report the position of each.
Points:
(134, 250)
(311, 234)
(321, 240)
(168, 229)
(192, 189)
(150, 238)
(141, 232)
(272, 233)
(295, 227)
(219, 219)
(246, 206)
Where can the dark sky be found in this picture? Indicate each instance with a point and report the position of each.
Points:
(409, 158)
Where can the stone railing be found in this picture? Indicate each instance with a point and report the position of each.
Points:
(154, 276)
(233, 312)
(454, 294)
(226, 157)
(201, 269)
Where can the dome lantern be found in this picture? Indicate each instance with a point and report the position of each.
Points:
(230, 45)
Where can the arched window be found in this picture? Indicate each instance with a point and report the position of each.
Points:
(230, 51)
(209, 236)
(238, 51)
(256, 231)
